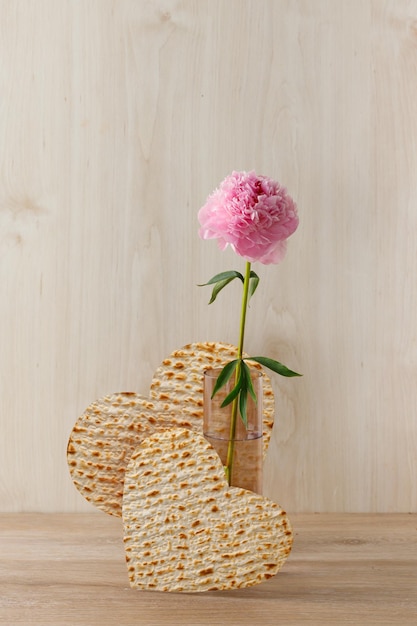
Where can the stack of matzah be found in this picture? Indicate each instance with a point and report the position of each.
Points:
(146, 459)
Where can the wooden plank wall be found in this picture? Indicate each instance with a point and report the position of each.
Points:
(117, 119)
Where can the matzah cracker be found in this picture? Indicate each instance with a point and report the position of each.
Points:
(103, 440)
(186, 530)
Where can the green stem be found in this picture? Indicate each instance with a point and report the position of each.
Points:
(233, 419)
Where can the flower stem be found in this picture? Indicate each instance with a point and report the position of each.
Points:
(233, 419)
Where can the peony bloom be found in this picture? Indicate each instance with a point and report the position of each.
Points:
(253, 214)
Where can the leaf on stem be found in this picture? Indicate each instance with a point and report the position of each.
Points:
(220, 281)
(218, 287)
(253, 283)
(247, 386)
(248, 381)
(243, 403)
(234, 393)
(224, 376)
(222, 276)
(273, 365)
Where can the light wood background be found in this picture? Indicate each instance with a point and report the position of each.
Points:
(117, 119)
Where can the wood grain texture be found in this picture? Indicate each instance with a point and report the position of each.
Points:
(344, 569)
(117, 119)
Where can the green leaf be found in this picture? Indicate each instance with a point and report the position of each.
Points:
(222, 276)
(253, 283)
(224, 376)
(218, 287)
(249, 383)
(233, 394)
(273, 365)
(243, 403)
(220, 281)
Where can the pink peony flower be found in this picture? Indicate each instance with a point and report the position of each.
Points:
(253, 214)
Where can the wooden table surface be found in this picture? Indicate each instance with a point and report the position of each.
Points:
(69, 569)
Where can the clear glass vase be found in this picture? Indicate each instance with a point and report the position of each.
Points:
(247, 444)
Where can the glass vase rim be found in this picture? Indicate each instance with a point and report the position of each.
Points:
(210, 371)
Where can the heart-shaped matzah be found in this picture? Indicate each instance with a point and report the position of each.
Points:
(104, 437)
(179, 381)
(186, 530)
